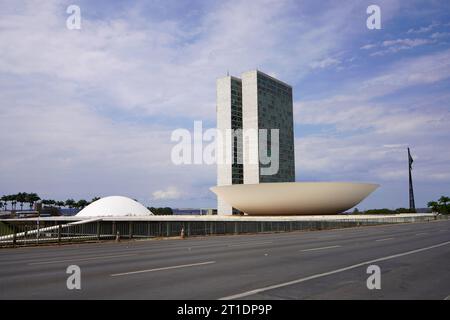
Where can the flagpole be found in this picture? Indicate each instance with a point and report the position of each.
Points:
(412, 205)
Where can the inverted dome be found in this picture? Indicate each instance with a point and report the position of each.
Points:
(114, 206)
(294, 198)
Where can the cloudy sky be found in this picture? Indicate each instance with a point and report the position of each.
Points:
(90, 112)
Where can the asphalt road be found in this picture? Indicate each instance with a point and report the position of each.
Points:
(414, 260)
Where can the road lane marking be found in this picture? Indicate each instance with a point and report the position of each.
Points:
(330, 236)
(385, 239)
(321, 248)
(80, 259)
(319, 275)
(163, 268)
(249, 244)
(447, 297)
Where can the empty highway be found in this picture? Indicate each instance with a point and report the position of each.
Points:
(414, 260)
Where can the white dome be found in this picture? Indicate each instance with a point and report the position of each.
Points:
(114, 206)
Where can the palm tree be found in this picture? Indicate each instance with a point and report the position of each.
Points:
(70, 203)
(82, 203)
(21, 198)
(5, 201)
(32, 198)
(13, 199)
(60, 203)
(95, 199)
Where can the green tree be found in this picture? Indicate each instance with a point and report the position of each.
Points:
(81, 203)
(13, 199)
(70, 203)
(21, 197)
(404, 210)
(161, 211)
(31, 198)
(379, 211)
(442, 205)
(5, 201)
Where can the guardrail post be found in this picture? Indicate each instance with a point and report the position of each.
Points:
(113, 228)
(59, 233)
(98, 230)
(118, 236)
(130, 229)
(38, 231)
(236, 227)
(14, 235)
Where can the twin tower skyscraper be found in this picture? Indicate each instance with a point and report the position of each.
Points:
(255, 118)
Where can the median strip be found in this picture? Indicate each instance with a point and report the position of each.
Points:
(163, 268)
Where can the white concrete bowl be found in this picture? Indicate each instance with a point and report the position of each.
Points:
(294, 198)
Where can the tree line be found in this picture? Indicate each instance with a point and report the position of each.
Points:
(11, 201)
(161, 211)
(442, 206)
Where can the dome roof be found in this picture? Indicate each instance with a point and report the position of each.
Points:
(114, 206)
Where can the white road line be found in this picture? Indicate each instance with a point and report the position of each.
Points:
(319, 275)
(447, 297)
(80, 259)
(329, 237)
(421, 234)
(385, 239)
(321, 248)
(249, 244)
(164, 268)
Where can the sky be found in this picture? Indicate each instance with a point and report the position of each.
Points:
(90, 112)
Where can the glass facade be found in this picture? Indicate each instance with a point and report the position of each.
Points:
(236, 124)
(275, 111)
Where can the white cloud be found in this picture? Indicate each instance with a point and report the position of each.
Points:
(439, 35)
(325, 63)
(394, 46)
(424, 29)
(405, 42)
(368, 46)
(167, 194)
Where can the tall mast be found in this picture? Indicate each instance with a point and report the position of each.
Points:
(412, 205)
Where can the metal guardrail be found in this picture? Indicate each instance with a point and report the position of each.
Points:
(20, 233)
